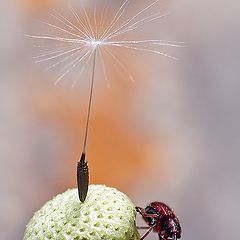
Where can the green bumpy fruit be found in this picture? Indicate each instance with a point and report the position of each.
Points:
(105, 214)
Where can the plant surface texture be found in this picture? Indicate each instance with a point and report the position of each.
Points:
(105, 214)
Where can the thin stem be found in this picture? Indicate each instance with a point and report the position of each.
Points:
(90, 101)
(82, 166)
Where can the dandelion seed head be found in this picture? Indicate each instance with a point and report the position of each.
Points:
(95, 43)
(72, 36)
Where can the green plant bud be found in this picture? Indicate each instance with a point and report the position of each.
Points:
(105, 214)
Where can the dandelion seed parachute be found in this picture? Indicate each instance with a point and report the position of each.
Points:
(85, 35)
(70, 36)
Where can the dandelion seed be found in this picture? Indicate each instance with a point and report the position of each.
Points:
(83, 35)
(89, 26)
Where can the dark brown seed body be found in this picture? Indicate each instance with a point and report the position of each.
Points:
(82, 178)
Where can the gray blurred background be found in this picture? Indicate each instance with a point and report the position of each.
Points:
(176, 130)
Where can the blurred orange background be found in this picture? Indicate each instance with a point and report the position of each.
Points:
(171, 136)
